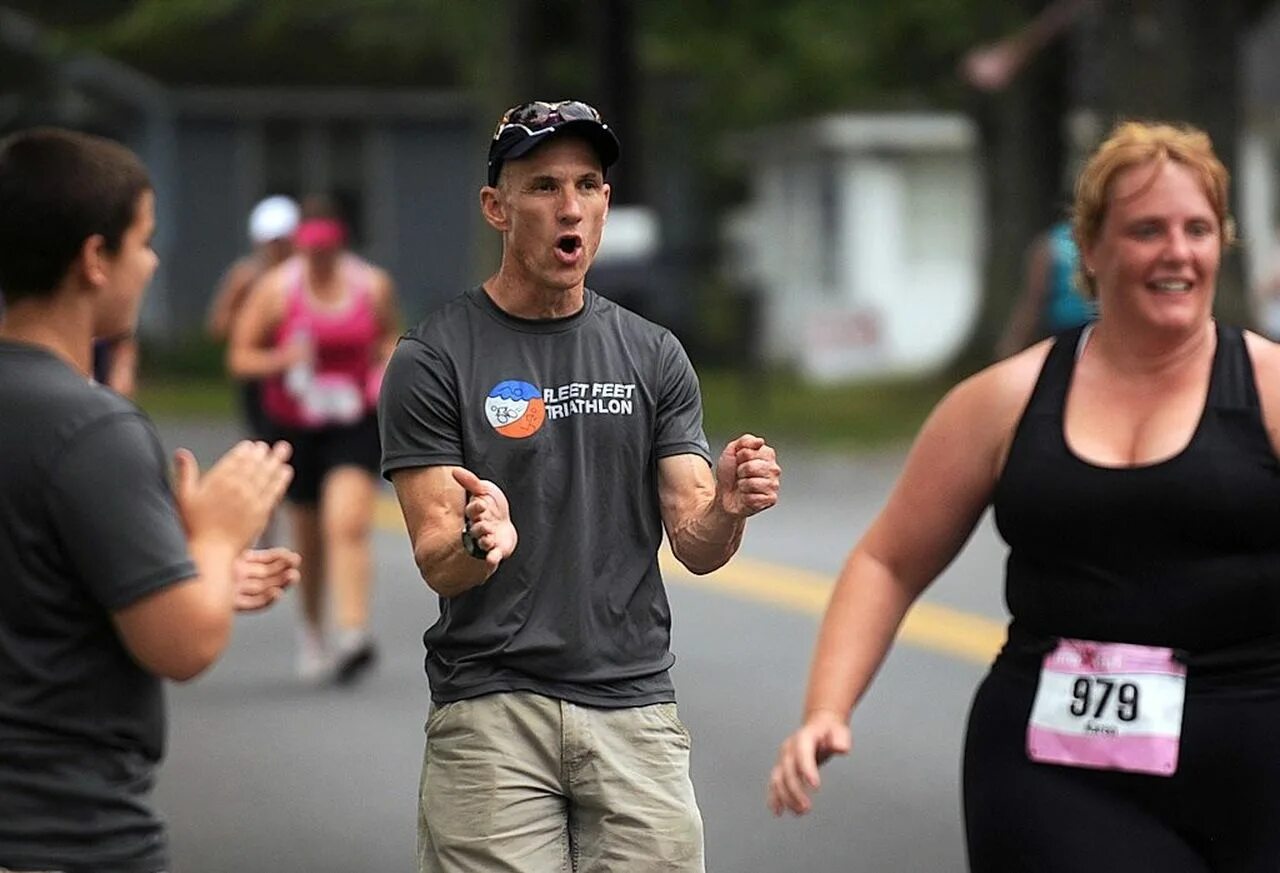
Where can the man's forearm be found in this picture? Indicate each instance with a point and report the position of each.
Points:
(708, 539)
(446, 567)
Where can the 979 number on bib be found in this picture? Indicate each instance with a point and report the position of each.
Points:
(1092, 695)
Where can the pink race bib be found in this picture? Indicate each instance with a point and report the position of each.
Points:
(1108, 706)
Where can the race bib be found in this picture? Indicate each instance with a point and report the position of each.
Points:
(1108, 706)
(332, 399)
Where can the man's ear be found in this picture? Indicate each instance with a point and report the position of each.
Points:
(93, 260)
(494, 208)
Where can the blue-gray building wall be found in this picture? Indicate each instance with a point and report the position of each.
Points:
(439, 168)
(210, 224)
(419, 211)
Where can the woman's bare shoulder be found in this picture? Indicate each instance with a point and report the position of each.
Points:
(999, 392)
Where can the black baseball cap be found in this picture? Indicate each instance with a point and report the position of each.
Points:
(525, 127)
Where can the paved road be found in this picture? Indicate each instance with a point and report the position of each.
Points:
(265, 774)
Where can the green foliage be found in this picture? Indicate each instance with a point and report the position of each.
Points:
(186, 357)
(790, 411)
(169, 398)
(298, 42)
(762, 61)
(757, 60)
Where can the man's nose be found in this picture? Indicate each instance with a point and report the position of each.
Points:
(570, 206)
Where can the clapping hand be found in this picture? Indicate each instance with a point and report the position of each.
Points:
(261, 576)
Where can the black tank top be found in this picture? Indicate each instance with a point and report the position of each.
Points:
(1182, 553)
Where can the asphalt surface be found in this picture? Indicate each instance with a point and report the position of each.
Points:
(265, 773)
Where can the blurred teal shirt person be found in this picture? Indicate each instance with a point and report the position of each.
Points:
(1065, 306)
(1051, 300)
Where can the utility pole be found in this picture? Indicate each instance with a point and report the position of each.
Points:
(613, 35)
(1131, 47)
(1020, 107)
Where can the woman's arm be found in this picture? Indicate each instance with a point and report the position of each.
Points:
(946, 484)
(252, 352)
(229, 298)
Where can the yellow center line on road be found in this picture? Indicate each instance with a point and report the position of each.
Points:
(952, 632)
(962, 635)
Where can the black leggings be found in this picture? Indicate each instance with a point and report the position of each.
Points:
(1220, 813)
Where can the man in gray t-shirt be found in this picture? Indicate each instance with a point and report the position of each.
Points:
(109, 578)
(540, 438)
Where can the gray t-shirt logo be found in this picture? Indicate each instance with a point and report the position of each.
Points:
(515, 409)
(518, 409)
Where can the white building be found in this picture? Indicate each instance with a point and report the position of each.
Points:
(864, 236)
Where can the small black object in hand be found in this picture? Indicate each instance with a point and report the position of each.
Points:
(471, 545)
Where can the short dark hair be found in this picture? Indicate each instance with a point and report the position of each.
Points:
(57, 189)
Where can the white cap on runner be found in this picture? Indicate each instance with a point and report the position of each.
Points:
(275, 217)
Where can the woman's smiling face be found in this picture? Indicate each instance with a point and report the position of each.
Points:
(1157, 253)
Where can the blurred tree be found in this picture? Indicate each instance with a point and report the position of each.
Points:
(759, 58)
(756, 61)
(761, 61)
(284, 42)
(565, 49)
(1021, 98)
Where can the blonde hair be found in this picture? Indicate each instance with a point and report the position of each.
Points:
(1131, 144)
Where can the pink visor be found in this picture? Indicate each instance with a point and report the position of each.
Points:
(320, 233)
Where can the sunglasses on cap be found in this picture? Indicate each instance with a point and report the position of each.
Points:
(540, 115)
(525, 127)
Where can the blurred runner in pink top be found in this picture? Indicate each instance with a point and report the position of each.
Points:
(318, 329)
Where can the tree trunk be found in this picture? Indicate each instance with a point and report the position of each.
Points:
(1023, 153)
(613, 34)
(1139, 41)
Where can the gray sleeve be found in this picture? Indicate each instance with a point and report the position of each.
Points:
(418, 412)
(114, 512)
(678, 429)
